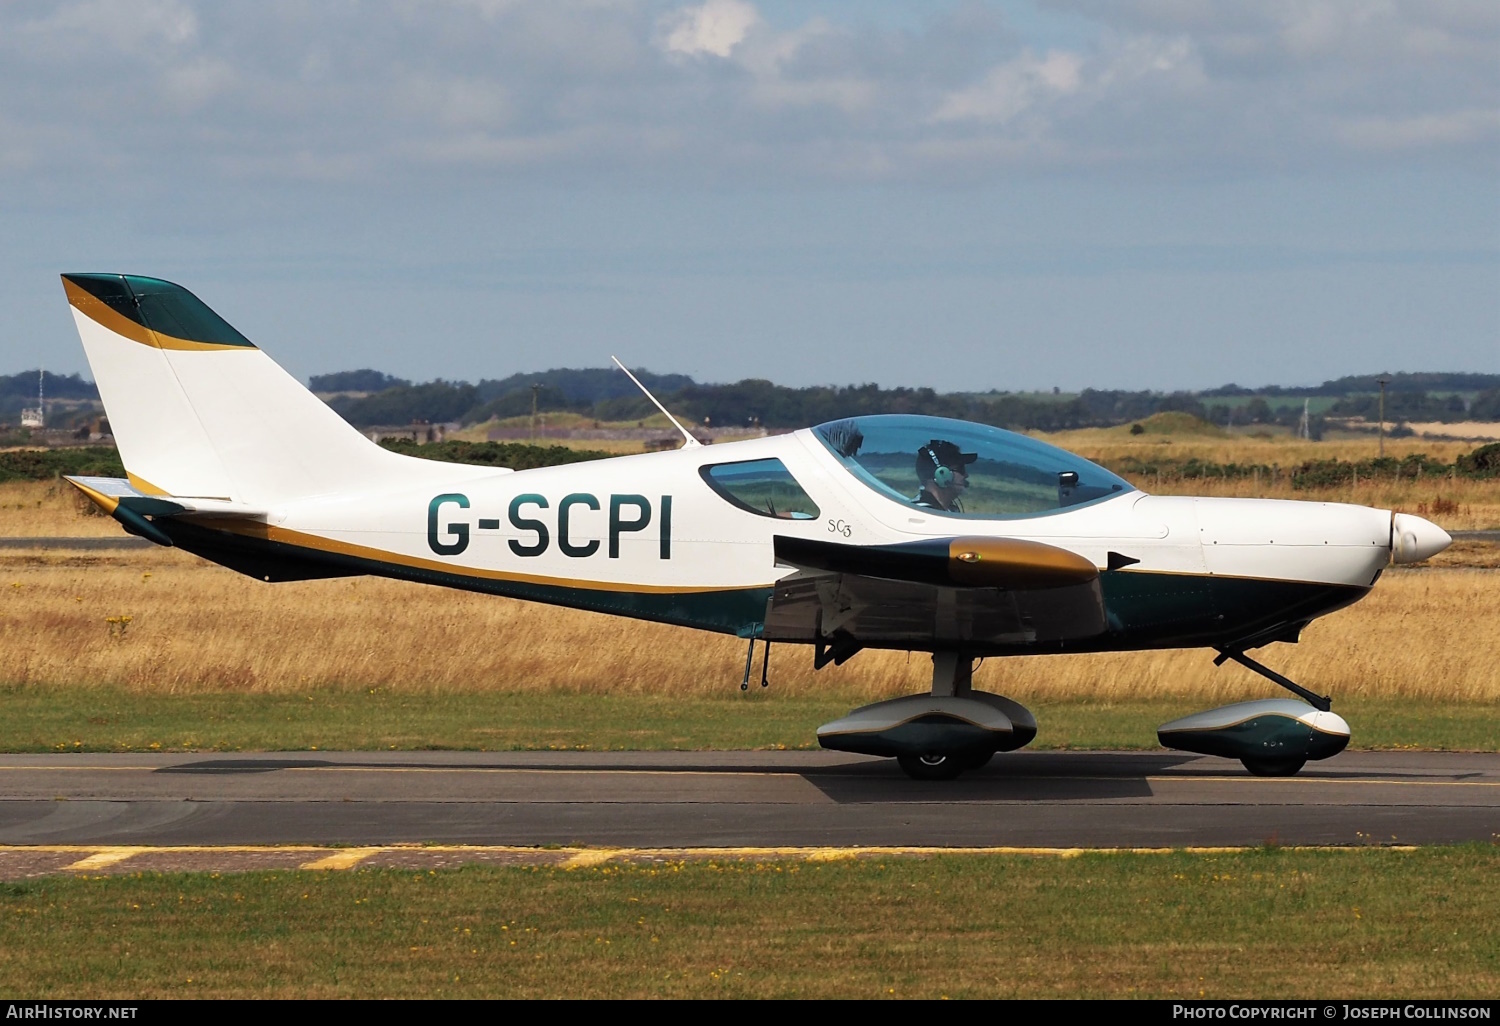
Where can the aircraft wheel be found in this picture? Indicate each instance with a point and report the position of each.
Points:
(1274, 767)
(931, 766)
(974, 762)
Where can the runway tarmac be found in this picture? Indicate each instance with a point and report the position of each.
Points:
(674, 800)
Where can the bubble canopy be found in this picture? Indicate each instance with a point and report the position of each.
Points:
(991, 472)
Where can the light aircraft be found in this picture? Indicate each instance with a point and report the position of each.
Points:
(871, 532)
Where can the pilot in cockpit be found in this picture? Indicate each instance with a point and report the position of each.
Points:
(942, 471)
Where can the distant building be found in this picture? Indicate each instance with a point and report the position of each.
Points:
(420, 432)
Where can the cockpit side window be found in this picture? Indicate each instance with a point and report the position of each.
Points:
(956, 467)
(764, 487)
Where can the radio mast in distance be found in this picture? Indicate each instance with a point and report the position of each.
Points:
(36, 418)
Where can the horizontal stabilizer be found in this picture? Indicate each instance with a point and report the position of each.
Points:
(136, 511)
(109, 492)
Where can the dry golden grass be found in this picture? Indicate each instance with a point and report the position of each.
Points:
(613, 446)
(1116, 443)
(572, 421)
(1477, 502)
(1469, 555)
(1455, 505)
(165, 622)
(30, 509)
(1485, 429)
(1428, 633)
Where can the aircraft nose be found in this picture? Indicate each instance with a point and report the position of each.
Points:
(1413, 538)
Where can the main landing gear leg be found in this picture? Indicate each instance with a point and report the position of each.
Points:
(952, 674)
(952, 677)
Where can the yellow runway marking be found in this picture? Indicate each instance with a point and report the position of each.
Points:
(347, 858)
(97, 857)
(104, 859)
(832, 854)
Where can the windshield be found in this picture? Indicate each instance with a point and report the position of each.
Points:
(953, 466)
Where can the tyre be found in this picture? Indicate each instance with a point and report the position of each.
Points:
(1274, 767)
(974, 762)
(930, 767)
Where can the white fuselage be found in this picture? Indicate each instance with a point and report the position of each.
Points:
(650, 522)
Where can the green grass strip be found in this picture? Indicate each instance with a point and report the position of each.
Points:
(105, 719)
(1362, 923)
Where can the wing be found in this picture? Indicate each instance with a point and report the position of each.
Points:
(974, 592)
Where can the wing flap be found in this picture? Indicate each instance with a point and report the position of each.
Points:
(876, 612)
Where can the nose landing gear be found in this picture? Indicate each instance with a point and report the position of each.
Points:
(1272, 738)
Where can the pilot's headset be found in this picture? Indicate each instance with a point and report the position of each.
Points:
(942, 475)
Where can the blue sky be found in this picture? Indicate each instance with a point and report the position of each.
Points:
(1139, 193)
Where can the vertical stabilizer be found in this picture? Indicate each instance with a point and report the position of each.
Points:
(197, 410)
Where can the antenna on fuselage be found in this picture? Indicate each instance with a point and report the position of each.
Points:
(691, 441)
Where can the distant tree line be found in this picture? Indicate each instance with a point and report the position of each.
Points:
(1421, 381)
(1484, 462)
(368, 397)
(400, 402)
(749, 402)
(104, 460)
(45, 464)
(607, 395)
(515, 455)
(363, 380)
(1420, 406)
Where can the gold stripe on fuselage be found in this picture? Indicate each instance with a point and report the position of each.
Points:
(299, 539)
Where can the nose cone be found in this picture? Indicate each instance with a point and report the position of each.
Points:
(1413, 538)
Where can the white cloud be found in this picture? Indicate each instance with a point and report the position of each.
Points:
(1014, 87)
(130, 25)
(1455, 128)
(715, 27)
(714, 90)
(459, 102)
(196, 82)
